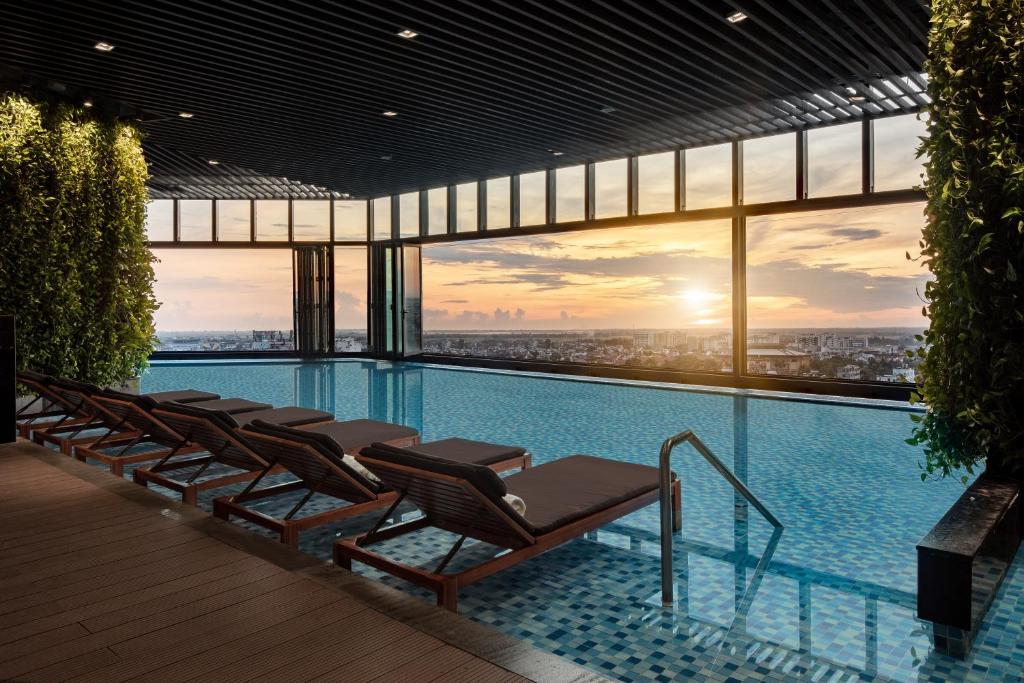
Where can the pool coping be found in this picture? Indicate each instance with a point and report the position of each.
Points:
(842, 401)
(455, 630)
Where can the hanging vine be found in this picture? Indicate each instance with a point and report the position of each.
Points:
(74, 266)
(972, 361)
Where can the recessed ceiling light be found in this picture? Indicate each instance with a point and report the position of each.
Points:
(853, 96)
(607, 109)
(390, 114)
(736, 17)
(87, 104)
(185, 114)
(213, 162)
(558, 154)
(103, 47)
(407, 33)
(386, 157)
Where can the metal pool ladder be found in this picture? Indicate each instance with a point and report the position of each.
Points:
(665, 474)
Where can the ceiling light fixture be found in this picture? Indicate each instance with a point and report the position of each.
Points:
(386, 157)
(103, 47)
(607, 109)
(213, 162)
(558, 154)
(407, 33)
(185, 114)
(736, 17)
(87, 104)
(390, 114)
(853, 96)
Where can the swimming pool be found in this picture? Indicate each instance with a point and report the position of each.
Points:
(833, 599)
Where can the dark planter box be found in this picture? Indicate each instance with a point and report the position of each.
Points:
(964, 558)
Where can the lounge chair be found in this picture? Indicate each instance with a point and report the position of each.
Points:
(320, 457)
(217, 433)
(134, 416)
(89, 416)
(50, 404)
(563, 499)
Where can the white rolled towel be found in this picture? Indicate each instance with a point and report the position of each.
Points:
(516, 503)
(358, 467)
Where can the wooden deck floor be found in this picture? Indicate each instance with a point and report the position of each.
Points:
(99, 582)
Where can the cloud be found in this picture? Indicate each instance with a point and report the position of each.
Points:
(502, 315)
(347, 300)
(856, 234)
(520, 314)
(455, 301)
(435, 314)
(832, 288)
(472, 316)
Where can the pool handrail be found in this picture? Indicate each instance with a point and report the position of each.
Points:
(665, 483)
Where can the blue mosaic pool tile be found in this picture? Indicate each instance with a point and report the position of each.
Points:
(835, 601)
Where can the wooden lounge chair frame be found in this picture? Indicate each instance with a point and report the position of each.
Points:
(65, 433)
(288, 527)
(471, 514)
(202, 428)
(50, 407)
(145, 426)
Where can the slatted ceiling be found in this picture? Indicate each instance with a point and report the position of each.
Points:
(180, 176)
(288, 96)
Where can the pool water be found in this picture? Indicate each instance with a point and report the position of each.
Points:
(831, 598)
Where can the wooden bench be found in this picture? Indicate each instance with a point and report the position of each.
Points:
(963, 559)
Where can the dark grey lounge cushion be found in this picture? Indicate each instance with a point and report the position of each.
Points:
(351, 434)
(320, 441)
(480, 476)
(150, 401)
(292, 416)
(147, 402)
(468, 451)
(182, 396)
(564, 490)
(232, 406)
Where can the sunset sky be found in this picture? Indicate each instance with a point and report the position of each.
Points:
(843, 268)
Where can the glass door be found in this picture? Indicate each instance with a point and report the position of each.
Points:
(412, 301)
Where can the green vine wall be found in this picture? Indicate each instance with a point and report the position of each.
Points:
(972, 369)
(74, 265)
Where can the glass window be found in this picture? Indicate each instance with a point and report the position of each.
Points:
(769, 169)
(272, 220)
(709, 176)
(437, 211)
(499, 203)
(160, 220)
(610, 180)
(409, 214)
(350, 299)
(832, 295)
(382, 218)
(223, 299)
(569, 182)
(833, 160)
(195, 220)
(466, 217)
(350, 219)
(896, 141)
(533, 198)
(234, 220)
(311, 220)
(656, 297)
(656, 183)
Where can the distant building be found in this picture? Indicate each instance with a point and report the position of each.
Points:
(777, 361)
(850, 371)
